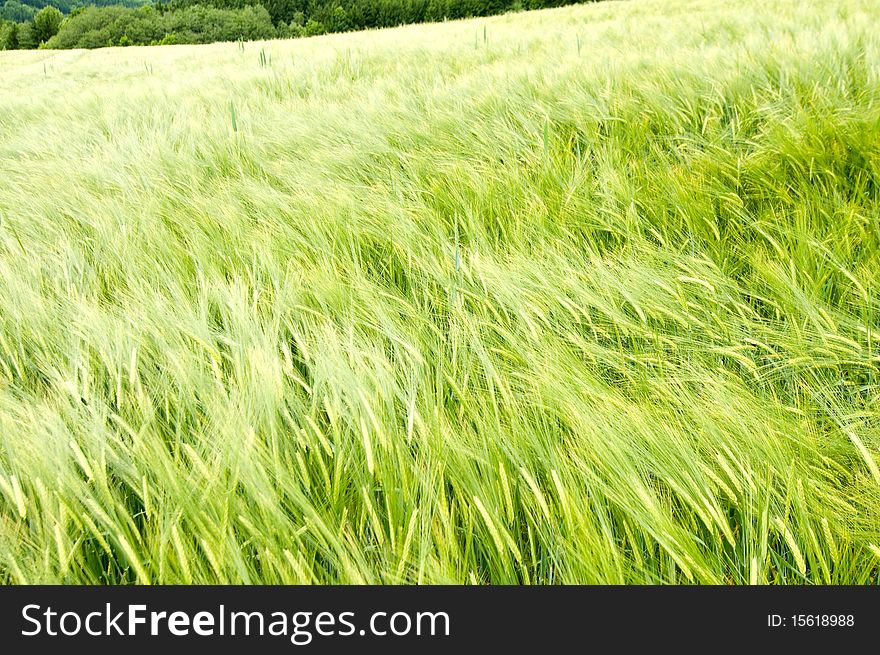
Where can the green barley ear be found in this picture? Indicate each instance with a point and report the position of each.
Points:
(547, 138)
(12, 231)
(234, 116)
(457, 264)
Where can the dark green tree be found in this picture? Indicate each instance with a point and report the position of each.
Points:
(27, 39)
(47, 22)
(8, 35)
(15, 11)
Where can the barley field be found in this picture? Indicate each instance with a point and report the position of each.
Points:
(586, 295)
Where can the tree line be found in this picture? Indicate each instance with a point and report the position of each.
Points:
(22, 11)
(62, 24)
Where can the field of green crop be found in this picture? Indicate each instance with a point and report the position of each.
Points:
(588, 295)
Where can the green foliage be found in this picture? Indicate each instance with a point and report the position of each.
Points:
(199, 24)
(15, 11)
(343, 15)
(47, 22)
(68, 6)
(106, 22)
(338, 20)
(314, 28)
(97, 27)
(36, 22)
(26, 36)
(8, 35)
(392, 308)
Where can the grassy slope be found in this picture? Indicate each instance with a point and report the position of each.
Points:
(583, 295)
